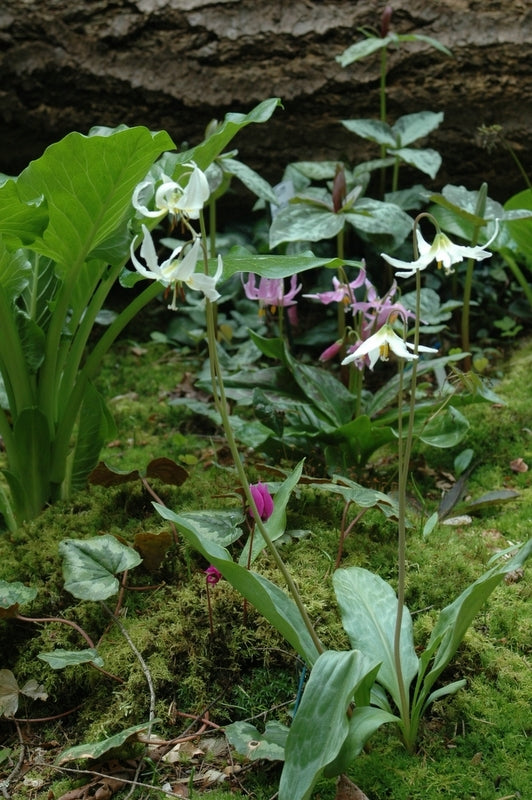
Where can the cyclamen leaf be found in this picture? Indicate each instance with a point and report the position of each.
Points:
(59, 659)
(13, 595)
(97, 749)
(89, 566)
(247, 740)
(9, 692)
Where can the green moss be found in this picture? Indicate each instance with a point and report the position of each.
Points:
(244, 669)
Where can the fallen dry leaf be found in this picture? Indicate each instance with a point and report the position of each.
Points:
(519, 465)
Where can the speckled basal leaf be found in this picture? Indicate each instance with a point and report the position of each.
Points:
(97, 749)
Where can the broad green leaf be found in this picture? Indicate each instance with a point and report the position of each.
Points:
(252, 744)
(59, 659)
(321, 724)
(490, 499)
(427, 161)
(90, 566)
(305, 223)
(359, 439)
(455, 619)
(15, 272)
(329, 396)
(268, 266)
(97, 749)
(446, 429)
(13, 595)
(521, 229)
(373, 130)
(20, 221)
(96, 427)
(362, 49)
(31, 434)
(363, 723)
(411, 127)
(204, 153)
(279, 609)
(369, 609)
(32, 339)
(251, 179)
(88, 182)
(276, 524)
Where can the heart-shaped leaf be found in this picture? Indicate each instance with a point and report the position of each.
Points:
(90, 566)
(13, 595)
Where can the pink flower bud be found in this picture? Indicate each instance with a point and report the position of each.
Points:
(263, 500)
(213, 575)
(385, 21)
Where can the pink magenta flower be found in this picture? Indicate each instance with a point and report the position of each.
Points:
(263, 500)
(342, 292)
(270, 291)
(213, 575)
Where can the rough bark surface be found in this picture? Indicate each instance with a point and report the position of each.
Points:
(176, 64)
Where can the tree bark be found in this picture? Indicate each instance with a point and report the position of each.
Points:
(176, 64)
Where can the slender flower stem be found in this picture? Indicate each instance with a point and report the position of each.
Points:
(466, 306)
(383, 113)
(404, 453)
(220, 400)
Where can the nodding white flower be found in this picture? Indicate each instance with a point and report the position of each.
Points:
(443, 251)
(187, 202)
(380, 344)
(172, 198)
(176, 270)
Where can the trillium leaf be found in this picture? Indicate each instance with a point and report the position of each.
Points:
(90, 566)
(373, 130)
(411, 127)
(427, 161)
(302, 222)
(59, 659)
(251, 179)
(362, 49)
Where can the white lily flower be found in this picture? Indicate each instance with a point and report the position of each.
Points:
(379, 345)
(443, 251)
(174, 270)
(171, 197)
(187, 202)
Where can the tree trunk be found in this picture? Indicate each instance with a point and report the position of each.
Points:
(176, 64)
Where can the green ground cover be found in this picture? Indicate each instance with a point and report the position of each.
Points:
(475, 744)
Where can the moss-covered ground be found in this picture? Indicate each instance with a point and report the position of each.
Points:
(475, 745)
